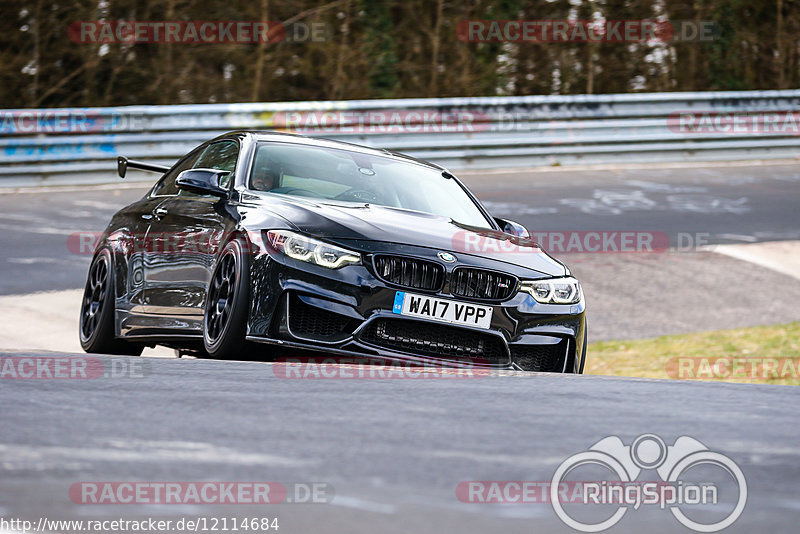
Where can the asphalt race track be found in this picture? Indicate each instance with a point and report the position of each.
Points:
(393, 451)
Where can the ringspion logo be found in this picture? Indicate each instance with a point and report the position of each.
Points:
(675, 490)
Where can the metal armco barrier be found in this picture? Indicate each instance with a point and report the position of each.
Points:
(56, 146)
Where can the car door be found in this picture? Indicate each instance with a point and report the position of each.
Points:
(139, 217)
(129, 239)
(185, 232)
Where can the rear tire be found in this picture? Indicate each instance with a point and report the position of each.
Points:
(585, 343)
(227, 303)
(96, 328)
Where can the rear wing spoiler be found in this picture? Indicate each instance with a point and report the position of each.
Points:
(123, 163)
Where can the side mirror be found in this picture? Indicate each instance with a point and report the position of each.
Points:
(203, 182)
(513, 228)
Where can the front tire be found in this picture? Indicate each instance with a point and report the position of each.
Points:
(227, 302)
(96, 329)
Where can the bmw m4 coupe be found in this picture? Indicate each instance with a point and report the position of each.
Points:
(300, 243)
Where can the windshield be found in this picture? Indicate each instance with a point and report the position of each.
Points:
(343, 175)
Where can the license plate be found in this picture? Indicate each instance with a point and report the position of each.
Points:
(445, 311)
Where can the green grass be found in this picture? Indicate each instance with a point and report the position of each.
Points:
(715, 356)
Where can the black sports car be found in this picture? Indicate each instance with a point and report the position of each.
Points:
(314, 244)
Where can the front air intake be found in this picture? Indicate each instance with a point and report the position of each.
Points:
(420, 338)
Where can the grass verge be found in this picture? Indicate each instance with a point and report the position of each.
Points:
(761, 355)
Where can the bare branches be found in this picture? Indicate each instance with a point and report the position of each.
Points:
(384, 49)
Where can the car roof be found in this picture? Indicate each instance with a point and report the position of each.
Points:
(285, 137)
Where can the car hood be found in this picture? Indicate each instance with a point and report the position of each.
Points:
(348, 223)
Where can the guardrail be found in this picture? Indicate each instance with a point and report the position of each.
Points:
(80, 145)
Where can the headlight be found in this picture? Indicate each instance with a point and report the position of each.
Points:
(303, 248)
(565, 290)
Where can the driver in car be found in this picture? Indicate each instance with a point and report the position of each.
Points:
(265, 180)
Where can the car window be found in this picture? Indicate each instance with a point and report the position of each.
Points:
(166, 186)
(220, 156)
(349, 176)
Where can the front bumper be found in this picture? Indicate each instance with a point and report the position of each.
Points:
(349, 311)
